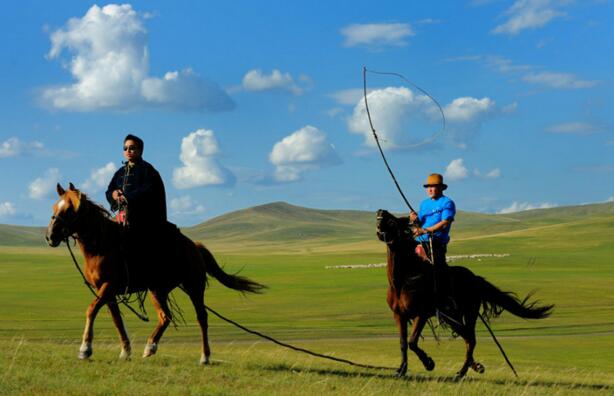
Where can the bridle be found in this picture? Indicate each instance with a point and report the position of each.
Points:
(67, 224)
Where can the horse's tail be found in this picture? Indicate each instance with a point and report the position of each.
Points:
(234, 281)
(494, 301)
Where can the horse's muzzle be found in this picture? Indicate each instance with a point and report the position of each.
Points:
(381, 235)
(52, 242)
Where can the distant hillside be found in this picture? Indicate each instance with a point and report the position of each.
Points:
(473, 224)
(282, 223)
(11, 235)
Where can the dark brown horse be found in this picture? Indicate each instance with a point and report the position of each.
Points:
(158, 266)
(411, 295)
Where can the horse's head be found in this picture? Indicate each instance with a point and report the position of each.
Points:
(392, 229)
(65, 215)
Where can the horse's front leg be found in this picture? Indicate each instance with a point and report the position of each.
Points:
(416, 330)
(85, 351)
(123, 334)
(402, 325)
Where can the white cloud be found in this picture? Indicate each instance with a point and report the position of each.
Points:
(505, 65)
(255, 80)
(14, 146)
(110, 64)
(467, 109)
(333, 112)
(558, 80)
(429, 21)
(610, 199)
(456, 170)
(464, 118)
(529, 14)
(200, 166)
(186, 206)
(510, 108)
(348, 96)
(7, 209)
(574, 128)
(522, 206)
(99, 178)
(396, 113)
(43, 187)
(530, 73)
(493, 174)
(185, 90)
(304, 150)
(377, 34)
(404, 120)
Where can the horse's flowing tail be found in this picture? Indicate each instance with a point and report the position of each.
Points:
(235, 282)
(494, 301)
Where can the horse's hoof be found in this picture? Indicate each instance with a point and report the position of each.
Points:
(459, 376)
(204, 360)
(478, 367)
(125, 354)
(401, 371)
(429, 364)
(85, 351)
(150, 350)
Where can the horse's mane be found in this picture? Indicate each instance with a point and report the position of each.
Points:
(99, 209)
(100, 229)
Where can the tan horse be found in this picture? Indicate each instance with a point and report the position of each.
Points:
(158, 266)
(411, 295)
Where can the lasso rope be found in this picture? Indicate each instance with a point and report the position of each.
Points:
(381, 151)
(294, 348)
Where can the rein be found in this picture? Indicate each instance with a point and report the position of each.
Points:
(123, 301)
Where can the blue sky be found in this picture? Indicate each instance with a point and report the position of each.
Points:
(243, 103)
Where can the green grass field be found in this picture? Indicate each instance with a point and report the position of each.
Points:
(565, 254)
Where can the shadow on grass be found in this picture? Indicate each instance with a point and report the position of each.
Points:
(439, 379)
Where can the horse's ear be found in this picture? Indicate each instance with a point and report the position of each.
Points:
(71, 187)
(60, 190)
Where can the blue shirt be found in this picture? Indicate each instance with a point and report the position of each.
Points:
(432, 211)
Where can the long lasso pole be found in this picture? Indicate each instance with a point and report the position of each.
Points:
(498, 345)
(379, 146)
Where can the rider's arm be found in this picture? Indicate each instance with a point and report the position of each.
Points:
(113, 186)
(439, 226)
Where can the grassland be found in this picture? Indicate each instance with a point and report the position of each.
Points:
(565, 254)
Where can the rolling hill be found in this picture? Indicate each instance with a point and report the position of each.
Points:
(11, 235)
(282, 223)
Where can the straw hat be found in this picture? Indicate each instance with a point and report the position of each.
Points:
(435, 179)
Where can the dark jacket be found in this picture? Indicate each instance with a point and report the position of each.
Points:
(144, 191)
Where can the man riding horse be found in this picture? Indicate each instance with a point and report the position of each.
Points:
(433, 222)
(136, 191)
